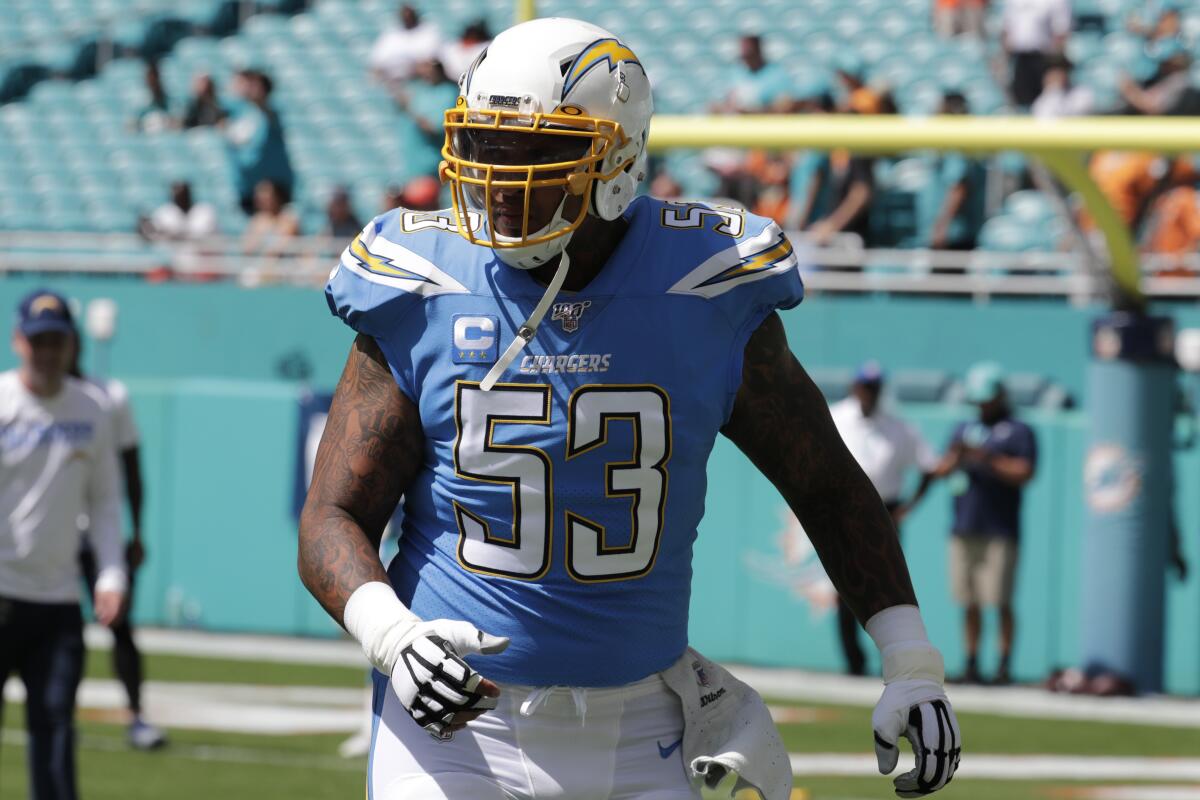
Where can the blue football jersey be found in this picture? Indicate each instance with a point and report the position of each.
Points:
(559, 509)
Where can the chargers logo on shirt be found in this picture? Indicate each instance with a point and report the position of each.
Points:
(475, 339)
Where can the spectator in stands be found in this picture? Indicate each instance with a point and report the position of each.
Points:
(155, 116)
(954, 17)
(851, 184)
(990, 461)
(340, 221)
(393, 197)
(1156, 21)
(423, 193)
(1169, 91)
(856, 96)
(953, 207)
(808, 179)
(397, 51)
(1033, 30)
(255, 135)
(665, 187)
(1060, 97)
(272, 224)
(427, 97)
(456, 56)
(756, 85)
(886, 447)
(1172, 225)
(181, 219)
(1127, 179)
(204, 108)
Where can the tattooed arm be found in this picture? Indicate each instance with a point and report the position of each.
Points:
(371, 450)
(781, 421)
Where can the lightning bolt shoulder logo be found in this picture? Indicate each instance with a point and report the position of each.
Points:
(384, 262)
(769, 253)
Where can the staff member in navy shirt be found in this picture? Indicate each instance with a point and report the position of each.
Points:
(994, 458)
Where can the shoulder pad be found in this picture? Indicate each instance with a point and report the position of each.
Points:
(383, 271)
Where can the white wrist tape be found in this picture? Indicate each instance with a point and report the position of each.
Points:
(112, 579)
(904, 646)
(379, 621)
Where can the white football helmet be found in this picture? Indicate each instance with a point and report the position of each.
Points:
(552, 109)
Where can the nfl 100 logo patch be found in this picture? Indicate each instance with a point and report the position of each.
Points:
(476, 339)
(569, 314)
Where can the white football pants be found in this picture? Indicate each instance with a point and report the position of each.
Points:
(550, 742)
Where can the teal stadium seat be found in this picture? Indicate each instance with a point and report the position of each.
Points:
(919, 385)
(834, 382)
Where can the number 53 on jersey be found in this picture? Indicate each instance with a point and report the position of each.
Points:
(524, 550)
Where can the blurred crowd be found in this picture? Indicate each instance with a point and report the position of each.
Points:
(832, 198)
(412, 60)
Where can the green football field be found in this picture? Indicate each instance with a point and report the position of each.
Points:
(202, 765)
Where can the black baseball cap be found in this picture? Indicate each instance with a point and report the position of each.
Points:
(44, 311)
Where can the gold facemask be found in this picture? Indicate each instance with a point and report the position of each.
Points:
(568, 152)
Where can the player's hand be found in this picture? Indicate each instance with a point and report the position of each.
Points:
(919, 710)
(435, 685)
(109, 607)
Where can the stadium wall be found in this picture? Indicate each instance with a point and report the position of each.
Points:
(220, 432)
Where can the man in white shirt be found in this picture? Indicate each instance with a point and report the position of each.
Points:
(886, 447)
(1060, 97)
(396, 53)
(57, 463)
(181, 219)
(1033, 31)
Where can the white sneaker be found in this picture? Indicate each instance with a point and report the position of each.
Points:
(144, 736)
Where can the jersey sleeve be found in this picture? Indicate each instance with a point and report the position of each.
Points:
(378, 283)
(754, 275)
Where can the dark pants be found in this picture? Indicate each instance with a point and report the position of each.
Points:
(1028, 71)
(127, 661)
(43, 643)
(856, 660)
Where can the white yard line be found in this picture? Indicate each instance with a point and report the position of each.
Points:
(785, 684)
(202, 752)
(237, 646)
(1017, 767)
(271, 710)
(1135, 793)
(1009, 701)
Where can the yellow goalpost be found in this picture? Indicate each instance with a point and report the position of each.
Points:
(1062, 145)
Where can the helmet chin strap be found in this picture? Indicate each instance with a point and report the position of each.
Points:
(529, 328)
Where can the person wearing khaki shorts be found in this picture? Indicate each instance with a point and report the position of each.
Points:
(982, 569)
(988, 462)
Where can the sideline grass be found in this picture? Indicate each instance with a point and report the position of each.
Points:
(847, 729)
(191, 669)
(200, 765)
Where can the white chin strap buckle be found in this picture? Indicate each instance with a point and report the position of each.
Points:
(526, 332)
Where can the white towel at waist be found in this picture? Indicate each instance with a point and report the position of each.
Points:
(727, 728)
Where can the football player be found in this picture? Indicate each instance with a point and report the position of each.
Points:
(530, 638)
